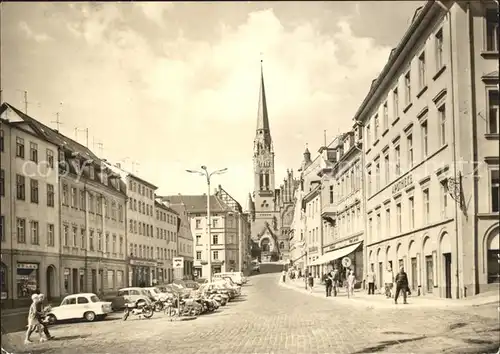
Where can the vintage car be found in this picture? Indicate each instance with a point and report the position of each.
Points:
(86, 306)
(135, 295)
(157, 293)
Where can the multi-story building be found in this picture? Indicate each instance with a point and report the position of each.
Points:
(297, 240)
(169, 223)
(342, 203)
(222, 232)
(184, 240)
(431, 152)
(29, 220)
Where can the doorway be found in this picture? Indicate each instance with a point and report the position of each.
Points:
(447, 274)
(380, 274)
(414, 276)
(74, 280)
(50, 281)
(94, 281)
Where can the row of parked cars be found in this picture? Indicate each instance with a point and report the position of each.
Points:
(182, 297)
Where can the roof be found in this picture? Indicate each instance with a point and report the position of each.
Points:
(138, 179)
(262, 117)
(198, 203)
(54, 136)
(164, 207)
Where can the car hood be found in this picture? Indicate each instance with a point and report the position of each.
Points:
(100, 303)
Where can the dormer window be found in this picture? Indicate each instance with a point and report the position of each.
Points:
(61, 156)
(91, 172)
(104, 178)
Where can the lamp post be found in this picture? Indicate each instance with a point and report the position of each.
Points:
(208, 176)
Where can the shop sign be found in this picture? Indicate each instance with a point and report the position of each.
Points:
(217, 262)
(136, 262)
(313, 249)
(402, 183)
(178, 262)
(346, 262)
(27, 266)
(344, 243)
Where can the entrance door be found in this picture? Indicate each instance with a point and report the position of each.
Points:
(414, 276)
(429, 273)
(380, 274)
(447, 274)
(74, 280)
(94, 281)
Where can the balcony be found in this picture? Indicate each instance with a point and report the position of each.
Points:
(328, 211)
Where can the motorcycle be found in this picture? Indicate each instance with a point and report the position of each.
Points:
(140, 309)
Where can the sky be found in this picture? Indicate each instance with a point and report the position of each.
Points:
(166, 87)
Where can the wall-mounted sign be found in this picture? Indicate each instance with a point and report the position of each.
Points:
(346, 262)
(313, 249)
(178, 262)
(344, 243)
(137, 262)
(402, 183)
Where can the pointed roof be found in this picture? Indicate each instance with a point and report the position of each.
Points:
(262, 117)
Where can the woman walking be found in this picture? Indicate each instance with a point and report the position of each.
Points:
(33, 322)
(350, 282)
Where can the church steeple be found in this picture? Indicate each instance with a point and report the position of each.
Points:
(263, 132)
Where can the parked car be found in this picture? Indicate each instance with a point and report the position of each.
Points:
(86, 306)
(117, 301)
(256, 268)
(188, 284)
(156, 293)
(135, 295)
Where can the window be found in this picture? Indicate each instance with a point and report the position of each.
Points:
(65, 197)
(1, 141)
(82, 200)
(429, 273)
(99, 241)
(113, 245)
(442, 124)
(198, 223)
(411, 207)
(397, 158)
(439, 49)
(377, 177)
(215, 239)
(215, 223)
(425, 138)
(492, 30)
(2, 228)
(370, 229)
(91, 240)
(82, 300)
(369, 181)
(20, 147)
(493, 112)
(398, 218)
(34, 191)
(395, 98)
(198, 239)
(385, 116)
(495, 190)
(408, 88)
(388, 221)
(50, 195)
(20, 187)
(444, 200)
(21, 230)
(368, 135)
(375, 127)
(387, 169)
(425, 194)
(331, 194)
(27, 277)
(421, 71)
(409, 141)
(34, 152)
(2, 182)
(379, 225)
(74, 194)
(75, 236)
(66, 235)
(35, 237)
(216, 255)
(50, 158)
(83, 237)
(50, 235)
(198, 255)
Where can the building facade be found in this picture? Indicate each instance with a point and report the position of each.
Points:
(424, 122)
(168, 238)
(29, 210)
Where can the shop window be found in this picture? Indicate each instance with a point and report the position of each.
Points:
(66, 280)
(3, 281)
(111, 279)
(26, 279)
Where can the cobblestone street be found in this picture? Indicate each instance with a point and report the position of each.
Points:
(276, 319)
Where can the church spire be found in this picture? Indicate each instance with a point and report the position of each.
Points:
(262, 118)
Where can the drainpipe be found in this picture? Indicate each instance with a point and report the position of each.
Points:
(454, 147)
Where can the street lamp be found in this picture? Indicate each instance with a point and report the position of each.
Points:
(208, 175)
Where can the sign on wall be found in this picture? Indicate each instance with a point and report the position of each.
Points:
(346, 262)
(178, 262)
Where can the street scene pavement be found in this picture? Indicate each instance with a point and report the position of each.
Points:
(272, 318)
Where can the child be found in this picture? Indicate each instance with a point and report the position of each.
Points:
(351, 280)
(310, 282)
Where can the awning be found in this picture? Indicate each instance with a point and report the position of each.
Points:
(333, 255)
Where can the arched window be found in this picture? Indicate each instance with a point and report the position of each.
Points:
(282, 245)
(493, 257)
(265, 245)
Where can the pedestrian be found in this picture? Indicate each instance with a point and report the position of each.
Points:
(328, 284)
(310, 282)
(41, 316)
(388, 281)
(401, 285)
(33, 323)
(350, 282)
(335, 281)
(370, 279)
(283, 275)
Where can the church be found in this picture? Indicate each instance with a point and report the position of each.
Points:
(271, 209)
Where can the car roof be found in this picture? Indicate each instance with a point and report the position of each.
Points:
(81, 294)
(132, 288)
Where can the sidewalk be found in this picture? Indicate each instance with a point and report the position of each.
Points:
(379, 301)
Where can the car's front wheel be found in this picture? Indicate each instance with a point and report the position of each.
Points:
(51, 319)
(89, 316)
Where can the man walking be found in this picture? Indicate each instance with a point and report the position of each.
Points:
(328, 284)
(335, 281)
(370, 279)
(401, 285)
